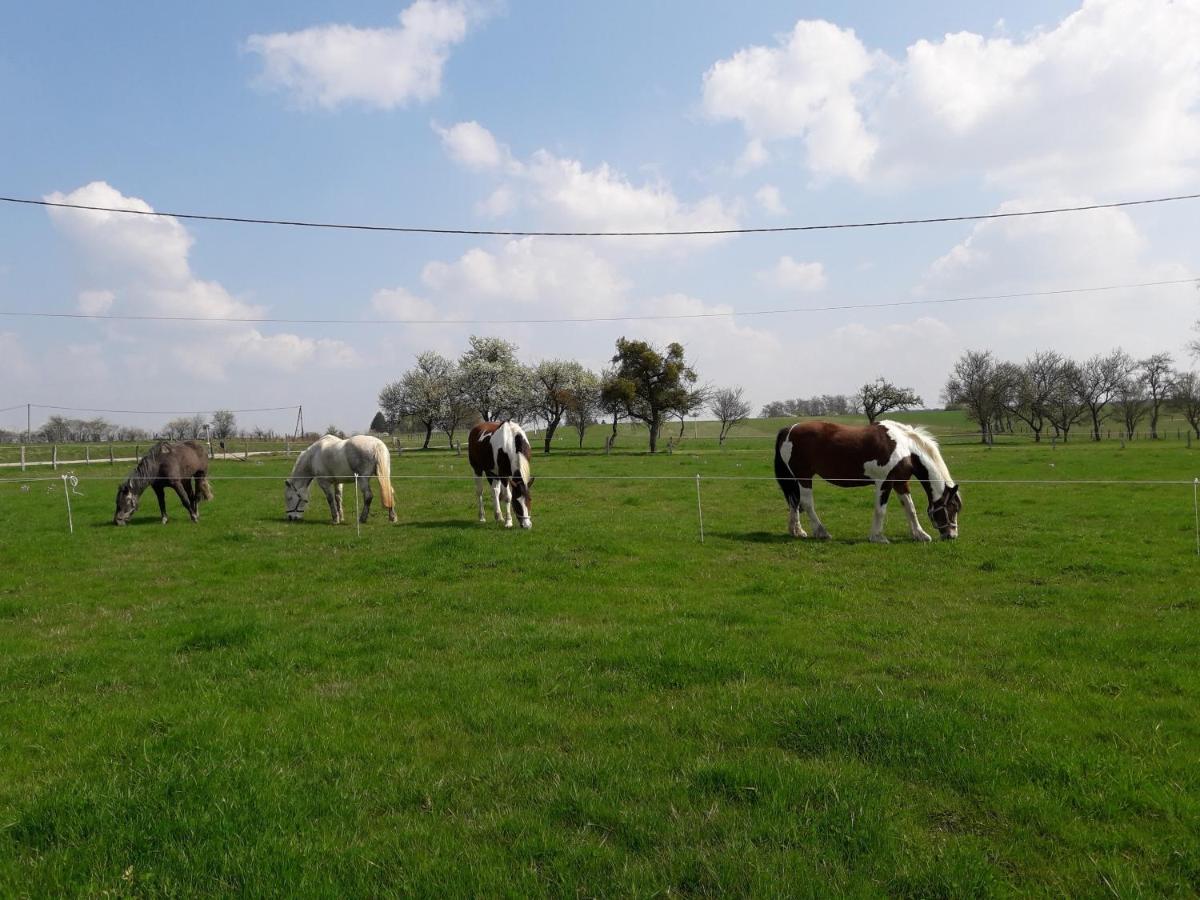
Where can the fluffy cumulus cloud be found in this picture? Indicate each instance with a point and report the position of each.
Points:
(571, 196)
(770, 200)
(1102, 248)
(139, 265)
(806, 87)
(792, 276)
(332, 65)
(1106, 99)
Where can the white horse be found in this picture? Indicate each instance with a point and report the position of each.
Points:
(333, 461)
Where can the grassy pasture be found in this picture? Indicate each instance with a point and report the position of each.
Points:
(604, 705)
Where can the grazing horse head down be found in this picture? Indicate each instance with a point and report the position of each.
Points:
(333, 461)
(499, 453)
(183, 467)
(885, 455)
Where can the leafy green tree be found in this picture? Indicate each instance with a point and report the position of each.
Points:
(554, 384)
(648, 385)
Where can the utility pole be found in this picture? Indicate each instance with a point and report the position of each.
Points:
(299, 422)
(28, 431)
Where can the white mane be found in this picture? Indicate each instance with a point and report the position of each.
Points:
(926, 446)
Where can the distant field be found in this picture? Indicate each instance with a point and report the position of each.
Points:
(604, 705)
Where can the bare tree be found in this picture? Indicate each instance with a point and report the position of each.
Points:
(731, 407)
(1063, 406)
(1099, 379)
(974, 386)
(1131, 402)
(224, 424)
(1158, 377)
(691, 403)
(1186, 398)
(880, 396)
(1034, 383)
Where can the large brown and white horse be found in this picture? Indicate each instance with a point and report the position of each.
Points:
(499, 452)
(884, 455)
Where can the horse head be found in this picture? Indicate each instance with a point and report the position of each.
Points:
(127, 504)
(295, 497)
(522, 501)
(943, 512)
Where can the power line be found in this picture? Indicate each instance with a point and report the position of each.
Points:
(597, 319)
(403, 229)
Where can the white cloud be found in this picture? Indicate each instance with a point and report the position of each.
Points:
(527, 276)
(473, 146)
(1047, 253)
(803, 88)
(571, 196)
(755, 156)
(139, 265)
(1106, 99)
(332, 65)
(789, 275)
(397, 303)
(769, 199)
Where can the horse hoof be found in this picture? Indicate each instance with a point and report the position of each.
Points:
(164, 520)
(922, 538)
(822, 535)
(878, 539)
(508, 524)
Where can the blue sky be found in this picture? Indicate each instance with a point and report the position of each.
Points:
(597, 116)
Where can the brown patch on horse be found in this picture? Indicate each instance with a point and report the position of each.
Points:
(836, 452)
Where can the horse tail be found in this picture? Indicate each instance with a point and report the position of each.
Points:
(783, 472)
(203, 488)
(383, 472)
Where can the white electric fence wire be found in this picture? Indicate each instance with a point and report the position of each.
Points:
(541, 478)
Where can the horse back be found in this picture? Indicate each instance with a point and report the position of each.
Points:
(837, 453)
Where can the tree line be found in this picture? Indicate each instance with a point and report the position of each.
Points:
(64, 429)
(1052, 393)
(643, 383)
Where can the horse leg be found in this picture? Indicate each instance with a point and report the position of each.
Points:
(364, 485)
(193, 501)
(506, 496)
(178, 487)
(341, 502)
(497, 486)
(479, 482)
(910, 509)
(795, 529)
(160, 493)
(331, 496)
(882, 491)
(806, 503)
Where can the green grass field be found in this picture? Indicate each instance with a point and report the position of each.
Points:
(605, 706)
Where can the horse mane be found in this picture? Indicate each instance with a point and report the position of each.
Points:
(521, 443)
(143, 473)
(927, 445)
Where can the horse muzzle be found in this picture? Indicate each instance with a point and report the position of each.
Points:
(527, 522)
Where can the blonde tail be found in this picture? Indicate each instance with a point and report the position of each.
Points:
(383, 471)
(204, 488)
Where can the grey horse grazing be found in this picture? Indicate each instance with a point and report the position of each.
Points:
(181, 466)
(332, 461)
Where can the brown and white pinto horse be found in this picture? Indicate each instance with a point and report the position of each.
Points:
(499, 452)
(884, 455)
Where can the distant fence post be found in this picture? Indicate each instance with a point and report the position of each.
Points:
(22, 457)
(54, 456)
(87, 453)
(110, 453)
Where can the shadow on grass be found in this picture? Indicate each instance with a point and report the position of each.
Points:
(779, 537)
(463, 524)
